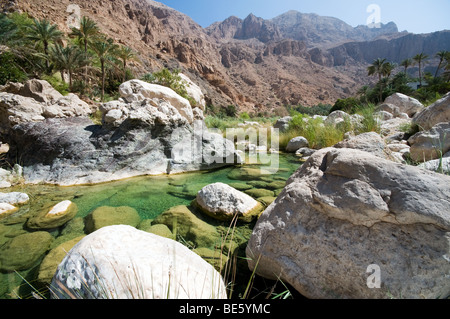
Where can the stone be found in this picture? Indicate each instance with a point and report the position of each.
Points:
(137, 90)
(14, 198)
(23, 251)
(213, 256)
(182, 222)
(296, 143)
(223, 202)
(51, 261)
(121, 262)
(438, 112)
(160, 230)
(336, 117)
(276, 185)
(431, 144)
(438, 165)
(383, 115)
(108, 216)
(405, 104)
(54, 217)
(240, 186)
(304, 152)
(282, 124)
(248, 173)
(266, 201)
(369, 142)
(349, 210)
(6, 209)
(390, 108)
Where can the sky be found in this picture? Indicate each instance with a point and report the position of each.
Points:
(416, 16)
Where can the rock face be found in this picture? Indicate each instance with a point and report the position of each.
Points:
(345, 210)
(148, 136)
(439, 112)
(223, 202)
(121, 262)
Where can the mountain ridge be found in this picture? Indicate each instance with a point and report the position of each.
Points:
(250, 62)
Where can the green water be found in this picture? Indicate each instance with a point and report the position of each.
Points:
(150, 196)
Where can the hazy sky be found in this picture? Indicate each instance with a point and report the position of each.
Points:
(417, 16)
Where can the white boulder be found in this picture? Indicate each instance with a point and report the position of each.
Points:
(121, 262)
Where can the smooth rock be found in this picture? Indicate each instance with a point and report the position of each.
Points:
(296, 143)
(23, 251)
(121, 262)
(14, 198)
(405, 104)
(54, 217)
(369, 142)
(108, 216)
(223, 202)
(438, 112)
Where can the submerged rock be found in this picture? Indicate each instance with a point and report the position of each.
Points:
(182, 222)
(345, 210)
(23, 251)
(108, 216)
(55, 217)
(121, 262)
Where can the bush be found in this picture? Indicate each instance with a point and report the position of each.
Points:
(319, 109)
(10, 70)
(347, 105)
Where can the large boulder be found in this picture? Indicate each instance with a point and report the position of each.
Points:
(347, 212)
(137, 91)
(121, 262)
(431, 144)
(438, 112)
(405, 104)
(223, 202)
(36, 101)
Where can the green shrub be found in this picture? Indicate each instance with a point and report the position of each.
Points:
(57, 83)
(347, 105)
(10, 70)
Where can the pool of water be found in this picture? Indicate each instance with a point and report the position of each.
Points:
(150, 196)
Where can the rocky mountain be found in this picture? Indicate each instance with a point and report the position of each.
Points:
(257, 64)
(311, 28)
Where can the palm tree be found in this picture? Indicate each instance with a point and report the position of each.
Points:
(441, 55)
(125, 54)
(378, 68)
(406, 64)
(105, 50)
(67, 59)
(387, 69)
(45, 33)
(420, 59)
(87, 32)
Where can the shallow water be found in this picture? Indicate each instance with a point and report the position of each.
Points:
(150, 196)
